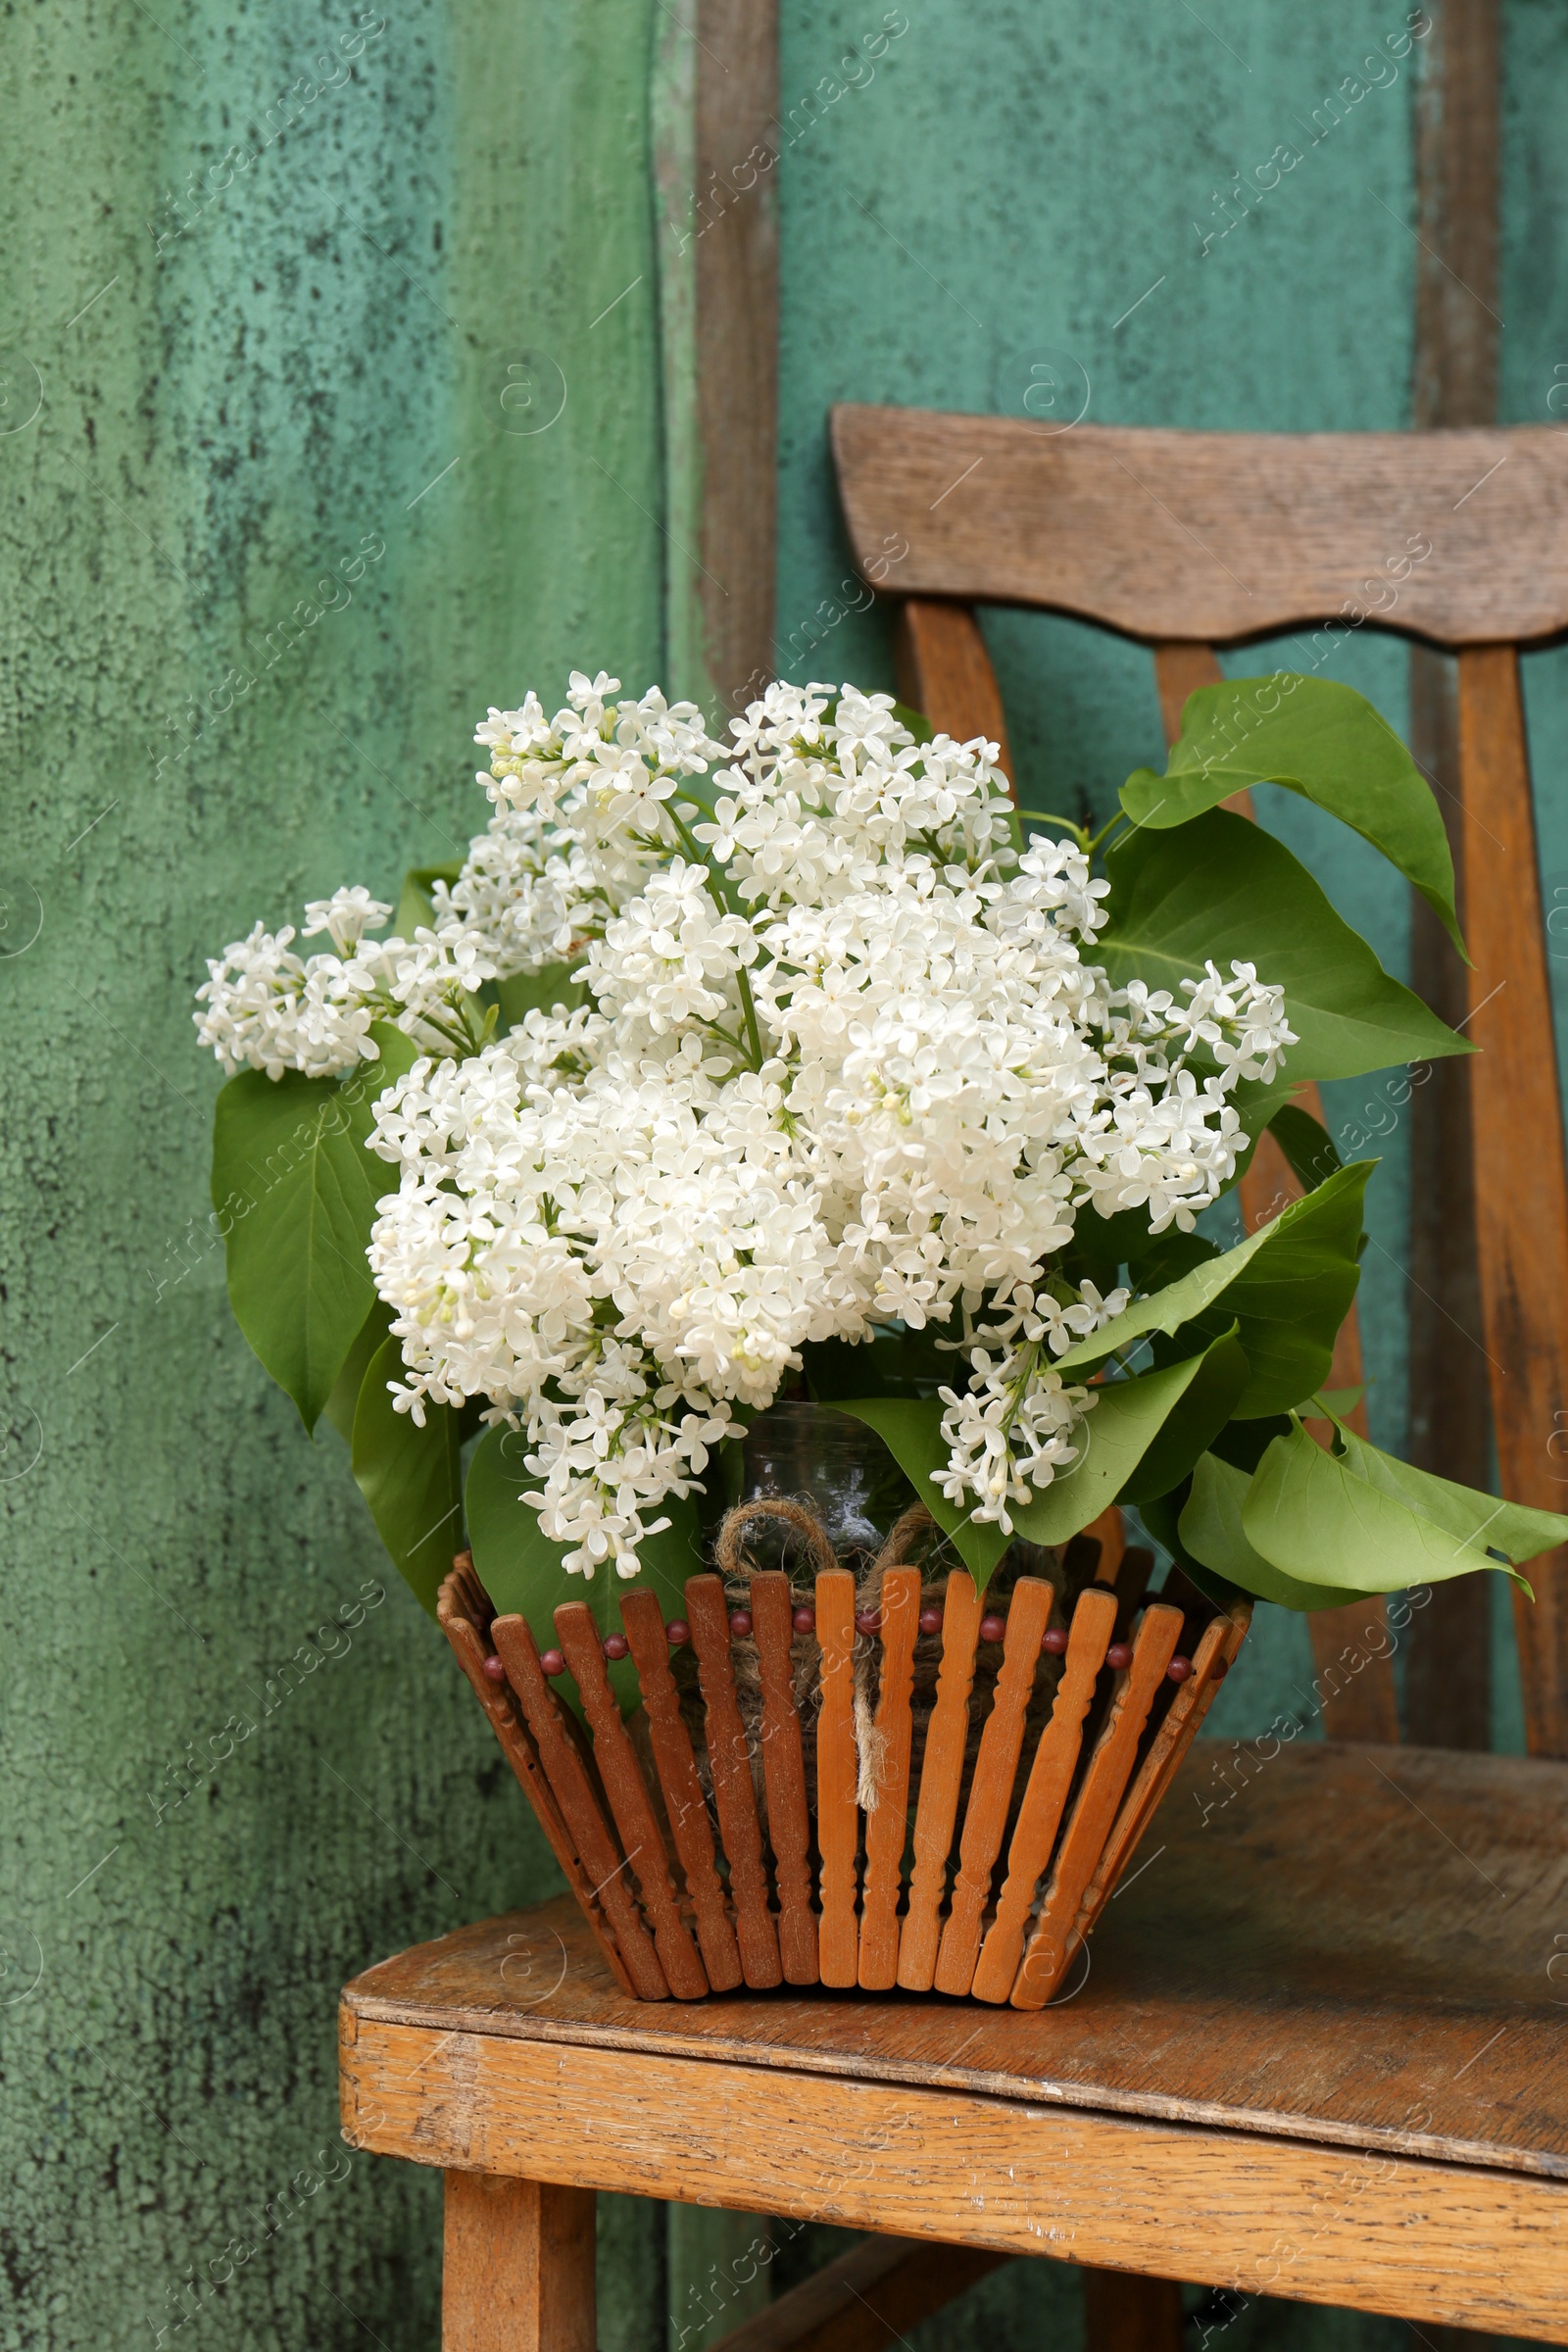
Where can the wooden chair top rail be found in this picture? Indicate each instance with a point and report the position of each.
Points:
(1215, 538)
(1243, 1977)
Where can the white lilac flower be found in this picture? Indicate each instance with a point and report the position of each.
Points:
(848, 1062)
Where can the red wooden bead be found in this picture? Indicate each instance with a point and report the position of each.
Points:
(1179, 1669)
(551, 1661)
(740, 1622)
(805, 1621)
(993, 1628)
(868, 1621)
(1119, 1655)
(930, 1619)
(1219, 1670)
(1054, 1638)
(615, 1646)
(494, 1669)
(676, 1632)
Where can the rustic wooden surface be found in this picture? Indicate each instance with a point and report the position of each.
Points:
(1217, 537)
(864, 2300)
(1521, 1194)
(1244, 1978)
(518, 2265)
(878, 2114)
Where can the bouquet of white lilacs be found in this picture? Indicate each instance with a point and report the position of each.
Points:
(721, 1071)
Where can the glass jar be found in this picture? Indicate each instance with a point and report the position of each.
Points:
(810, 1453)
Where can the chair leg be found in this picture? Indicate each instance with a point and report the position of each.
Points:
(1126, 2312)
(518, 2265)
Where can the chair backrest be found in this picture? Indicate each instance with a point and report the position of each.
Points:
(1191, 540)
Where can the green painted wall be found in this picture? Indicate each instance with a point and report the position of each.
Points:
(317, 369)
(358, 341)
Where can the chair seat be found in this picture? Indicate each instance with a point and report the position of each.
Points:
(1350, 1946)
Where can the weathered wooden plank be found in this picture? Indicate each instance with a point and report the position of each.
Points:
(516, 2266)
(1217, 537)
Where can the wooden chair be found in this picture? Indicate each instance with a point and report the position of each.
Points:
(1320, 2050)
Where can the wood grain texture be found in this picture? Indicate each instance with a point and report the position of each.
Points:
(1050, 1778)
(1055, 1938)
(985, 1819)
(866, 2299)
(887, 1826)
(940, 1782)
(682, 1787)
(629, 1803)
(789, 1826)
(1243, 1978)
(944, 670)
(518, 2265)
(1521, 1187)
(1215, 537)
(729, 1761)
(580, 1804)
(838, 1819)
(1446, 2242)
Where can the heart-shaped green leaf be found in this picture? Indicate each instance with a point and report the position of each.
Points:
(409, 1477)
(1211, 1532)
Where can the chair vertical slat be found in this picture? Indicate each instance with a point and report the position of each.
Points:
(789, 1824)
(1521, 1177)
(941, 1781)
(1221, 1638)
(678, 1777)
(887, 1826)
(500, 1704)
(1095, 1810)
(1364, 1708)
(942, 670)
(838, 1773)
(579, 1803)
(1094, 1621)
(731, 1763)
(1109, 1532)
(629, 1801)
(985, 1819)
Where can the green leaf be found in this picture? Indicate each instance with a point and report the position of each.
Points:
(1318, 739)
(409, 1477)
(415, 907)
(1127, 1419)
(917, 721)
(1360, 1520)
(343, 1404)
(522, 1572)
(1226, 890)
(911, 1427)
(525, 992)
(892, 1363)
(1211, 1531)
(1210, 1399)
(293, 1151)
(1307, 1143)
(1310, 1243)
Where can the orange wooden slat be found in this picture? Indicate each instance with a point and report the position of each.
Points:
(1520, 1170)
(679, 1779)
(731, 1763)
(838, 1819)
(941, 1781)
(887, 1825)
(985, 1819)
(789, 1824)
